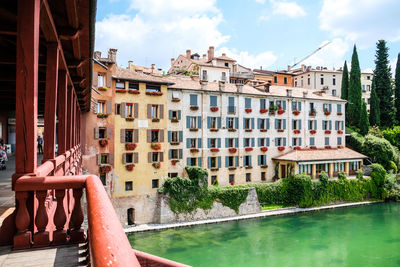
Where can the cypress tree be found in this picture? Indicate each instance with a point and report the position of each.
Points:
(397, 89)
(374, 114)
(364, 122)
(354, 97)
(383, 85)
(345, 82)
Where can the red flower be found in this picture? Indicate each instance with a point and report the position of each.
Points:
(296, 112)
(263, 130)
(296, 131)
(214, 129)
(281, 130)
(120, 90)
(328, 147)
(297, 148)
(176, 99)
(130, 167)
(248, 110)
(313, 131)
(340, 146)
(340, 132)
(194, 107)
(214, 109)
(248, 149)
(154, 93)
(339, 113)
(214, 149)
(313, 147)
(327, 131)
(232, 183)
(193, 150)
(281, 111)
(174, 161)
(264, 149)
(155, 120)
(129, 119)
(327, 113)
(281, 148)
(155, 146)
(105, 169)
(157, 165)
(231, 129)
(130, 146)
(232, 150)
(135, 92)
(263, 110)
(103, 142)
(248, 130)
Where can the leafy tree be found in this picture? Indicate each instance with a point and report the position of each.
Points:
(354, 97)
(364, 122)
(397, 89)
(374, 111)
(383, 85)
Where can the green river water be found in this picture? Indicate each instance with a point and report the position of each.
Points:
(358, 236)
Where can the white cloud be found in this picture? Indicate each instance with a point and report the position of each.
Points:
(244, 58)
(159, 30)
(363, 21)
(260, 1)
(290, 9)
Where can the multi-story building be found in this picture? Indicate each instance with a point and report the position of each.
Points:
(284, 78)
(366, 86)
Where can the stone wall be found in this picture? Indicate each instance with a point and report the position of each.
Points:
(250, 206)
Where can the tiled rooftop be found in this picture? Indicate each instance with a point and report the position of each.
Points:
(321, 155)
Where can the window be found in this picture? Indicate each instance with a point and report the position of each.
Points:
(368, 87)
(231, 178)
(213, 100)
(263, 142)
(230, 161)
(296, 141)
(133, 86)
(275, 79)
(327, 107)
(247, 102)
(213, 163)
(101, 106)
(363, 88)
(213, 122)
(129, 110)
(226, 64)
(339, 108)
(174, 154)
(120, 85)
(334, 80)
(304, 168)
(128, 186)
(154, 183)
(262, 160)
(155, 157)
(223, 78)
(193, 100)
(339, 125)
(285, 80)
(231, 104)
(263, 124)
(214, 179)
(192, 161)
(280, 141)
(247, 161)
(338, 166)
(353, 166)
(322, 81)
(153, 88)
(368, 77)
(204, 75)
(212, 143)
(193, 122)
(296, 105)
(263, 176)
(296, 124)
(308, 81)
(230, 142)
(118, 109)
(327, 141)
(230, 123)
(295, 83)
(175, 136)
(102, 132)
(172, 174)
(339, 141)
(247, 123)
(326, 125)
(175, 95)
(280, 124)
(155, 111)
(312, 124)
(248, 142)
(174, 114)
(248, 177)
(192, 143)
(129, 158)
(334, 92)
(103, 179)
(128, 135)
(312, 141)
(100, 80)
(154, 136)
(263, 104)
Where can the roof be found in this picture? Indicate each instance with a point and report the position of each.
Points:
(187, 83)
(265, 72)
(132, 75)
(224, 57)
(321, 155)
(99, 63)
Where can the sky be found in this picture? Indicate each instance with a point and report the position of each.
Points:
(268, 33)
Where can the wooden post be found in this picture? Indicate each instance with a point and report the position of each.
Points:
(77, 233)
(41, 238)
(60, 218)
(62, 112)
(69, 117)
(51, 101)
(22, 240)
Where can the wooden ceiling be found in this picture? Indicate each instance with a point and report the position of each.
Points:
(69, 22)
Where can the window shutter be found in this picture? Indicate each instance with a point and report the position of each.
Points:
(227, 123)
(149, 159)
(258, 123)
(219, 142)
(259, 160)
(299, 106)
(237, 142)
(136, 135)
(284, 104)
(250, 161)
(96, 133)
(124, 158)
(98, 156)
(179, 114)
(342, 125)
(293, 105)
(169, 136)
(330, 125)
(276, 141)
(252, 142)
(209, 162)
(136, 110)
(209, 142)
(284, 141)
(109, 107)
(276, 124)
(199, 122)
(284, 124)
(95, 77)
(180, 136)
(199, 161)
(148, 136)
(170, 114)
(188, 162)
(149, 111)
(199, 143)
(187, 122)
(136, 157)
(108, 80)
(123, 109)
(161, 156)
(300, 124)
(237, 123)
(161, 111)
(219, 162)
(258, 142)
(180, 152)
(122, 136)
(236, 161)
(339, 108)
(161, 136)
(226, 142)
(187, 142)
(110, 158)
(267, 123)
(267, 140)
(330, 107)
(316, 124)
(292, 124)
(219, 122)
(226, 161)
(108, 132)
(252, 123)
(336, 125)
(299, 141)
(244, 123)
(208, 122)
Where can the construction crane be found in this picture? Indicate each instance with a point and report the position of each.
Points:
(319, 48)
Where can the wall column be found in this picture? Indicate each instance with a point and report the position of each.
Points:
(346, 168)
(330, 170)
(313, 171)
(51, 101)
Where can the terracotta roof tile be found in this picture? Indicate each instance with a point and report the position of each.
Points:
(321, 155)
(127, 74)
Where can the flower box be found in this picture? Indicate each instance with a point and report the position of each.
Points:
(232, 183)
(155, 120)
(174, 161)
(129, 167)
(248, 149)
(328, 147)
(263, 110)
(129, 119)
(214, 149)
(174, 120)
(339, 113)
(248, 167)
(296, 131)
(248, 110)
(264, 149)
(263, 130)
(214, 129)
(155, 146)
(103, 142)
(297, 148)
(232, 150)
(327, 131)
(281, 111)
(248, 130)
(327, 113)
(281, 130)
(313, 131)
(194, 150)
(214, 168)
(231, 169)
(120, 90)
(296, 112)
(105, 169)
(157, 165)
(214, 109)
(130, 146)
(193, 129)
(176, 100)
(154, 93)
(102, 115)
(313, 147)
(313, 113)
(194, 107)
(271, 112)
(174, 143)
(340, 147)
(340, 132)
(264, 166)
(281, 148)
(102, 88)
(135, 92)
(231, 130)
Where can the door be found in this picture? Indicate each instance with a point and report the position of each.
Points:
(131, 216)
(283, 171)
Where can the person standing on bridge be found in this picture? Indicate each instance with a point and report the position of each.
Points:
(40, 144)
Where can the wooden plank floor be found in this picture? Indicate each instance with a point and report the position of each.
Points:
(63, 256)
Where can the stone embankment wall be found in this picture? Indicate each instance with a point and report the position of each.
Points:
(250, 206)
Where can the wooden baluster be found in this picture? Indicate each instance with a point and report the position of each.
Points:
(22, 240)
(41, 238)
(77, 233)
(60, 235)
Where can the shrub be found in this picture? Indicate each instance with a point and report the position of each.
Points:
(379, 150)
(355, 140)
(378, 176)
(359, 175)
(392, 135)
(323, 178)
(375, 131)
(342, 175)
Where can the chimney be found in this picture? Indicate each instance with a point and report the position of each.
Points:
(260, 67)
(266, 87)
(289, 92)
(223, 54)
(203, 84)
(239, 87)
(97, 54)
(188, 53)
(305, 93)
(172, 61)
(153, 66)
(318, 67)
(211, 53)
(221, 86)
(204, 56)
(130, 65)
(288, 67)
(303, 67)
(112, 55)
